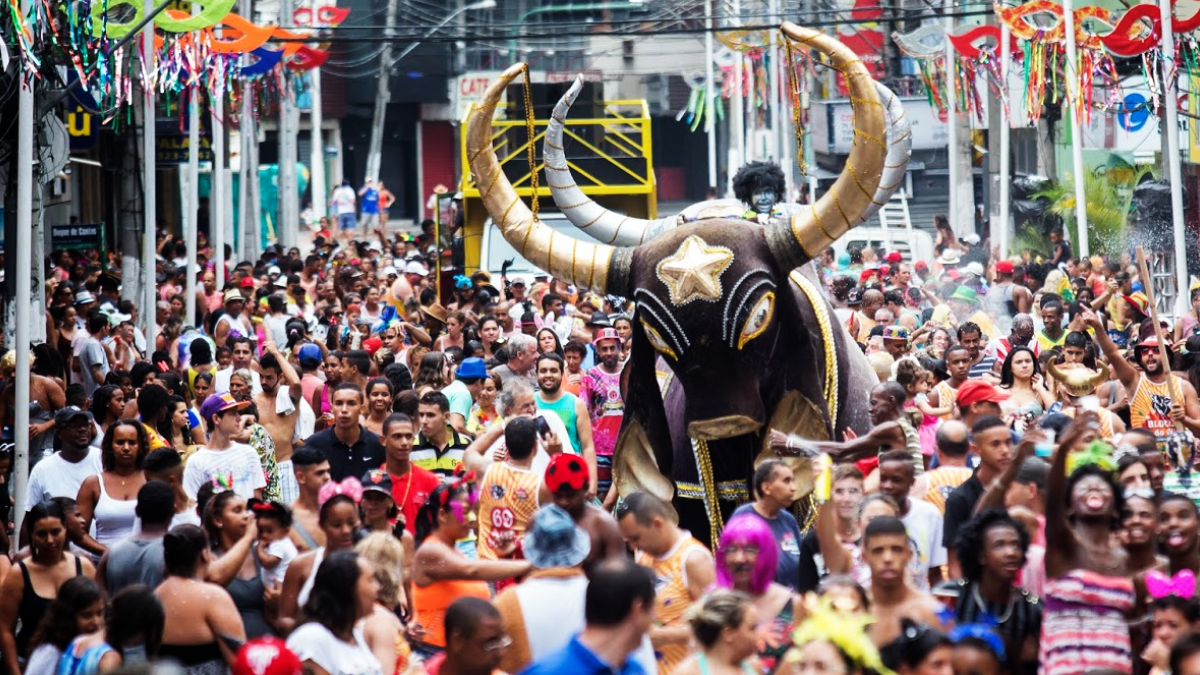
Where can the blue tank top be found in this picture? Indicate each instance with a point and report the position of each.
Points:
(564, 407)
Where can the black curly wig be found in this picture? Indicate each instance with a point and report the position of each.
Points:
(1117, 491)
(757, 176)
(972, 535)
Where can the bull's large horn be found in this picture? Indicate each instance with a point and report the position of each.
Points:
(895, 165)
(842, 207)
(595, 266)
(580, 209)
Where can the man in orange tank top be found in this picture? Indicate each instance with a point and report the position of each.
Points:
(1153, 390)
(511, 490)
(682, 566)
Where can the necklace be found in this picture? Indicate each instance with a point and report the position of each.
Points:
(983, 605)
(404, 499)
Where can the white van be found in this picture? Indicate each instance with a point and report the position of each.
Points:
(495, 249)
(914, 244)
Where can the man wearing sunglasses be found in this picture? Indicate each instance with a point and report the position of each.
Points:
(1154, 396)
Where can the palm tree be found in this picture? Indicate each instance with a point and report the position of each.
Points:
(1107, 210)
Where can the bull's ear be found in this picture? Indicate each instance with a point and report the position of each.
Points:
(644, 454)
(795, 414)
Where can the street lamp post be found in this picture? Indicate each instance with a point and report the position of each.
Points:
(375, 151)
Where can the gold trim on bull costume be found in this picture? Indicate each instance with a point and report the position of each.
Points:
(779, 363)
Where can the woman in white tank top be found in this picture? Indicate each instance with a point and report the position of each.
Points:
(109, 501)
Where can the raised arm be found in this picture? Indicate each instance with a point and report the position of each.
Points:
(1126, 373)
(993, 496)
(1060, 556)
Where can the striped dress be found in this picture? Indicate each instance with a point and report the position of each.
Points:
(1083, 624)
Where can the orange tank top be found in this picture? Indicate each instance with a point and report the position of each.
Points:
(508, 498)
(1150, 406)
(431, 602)
(673, 598)
(946, 395)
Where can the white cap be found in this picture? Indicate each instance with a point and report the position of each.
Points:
(389, 271)
(280, 282)
(972, 239)
(274, 269)
(415, 267)
(975, 268)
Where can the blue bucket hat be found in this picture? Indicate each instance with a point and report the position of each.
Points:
(554, 540)
(472, 369)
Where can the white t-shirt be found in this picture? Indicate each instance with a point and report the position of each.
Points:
(238, 460)
(313, 642)
(56, 477)
(286, 551)
(344, 201)
(924, 525)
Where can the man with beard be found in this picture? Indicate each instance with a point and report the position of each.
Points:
(600, 389)
(1154, 392)
(551, 398)
(278, 406)
(992, 548)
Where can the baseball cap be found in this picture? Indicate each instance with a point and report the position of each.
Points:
(1004, 267)
(978, 391)
(274, 269)
(854, 297)
(247, 282)
(372, 345)
(309, 355)
(894, 257)
(921, 266)
(566, 470)
(219, 403)
(417, 268)
(389, 271)
(607, 334)
(266, 656)
(377, 480)
(65, 415)
(517, 280)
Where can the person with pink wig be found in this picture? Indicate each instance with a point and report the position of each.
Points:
(746, 558)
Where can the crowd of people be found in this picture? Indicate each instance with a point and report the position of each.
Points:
(329, 469)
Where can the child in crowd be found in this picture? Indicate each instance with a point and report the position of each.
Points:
(917, 383)
(275, 549)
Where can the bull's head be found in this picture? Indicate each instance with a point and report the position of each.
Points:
(711, 293)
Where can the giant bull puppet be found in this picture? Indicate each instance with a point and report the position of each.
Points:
(731, 307)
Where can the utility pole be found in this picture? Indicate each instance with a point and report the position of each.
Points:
(24, 291)
(216, 211)
(193, 197)
(382, 96)
(320, 195)
(251, 209)
(287, 229)
(148, 302)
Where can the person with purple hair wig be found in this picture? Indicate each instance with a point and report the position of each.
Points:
(746, 558)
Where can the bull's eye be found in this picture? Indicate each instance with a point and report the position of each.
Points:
(657, 341)
(759, 319)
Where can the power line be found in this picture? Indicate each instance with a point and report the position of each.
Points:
(589, 33)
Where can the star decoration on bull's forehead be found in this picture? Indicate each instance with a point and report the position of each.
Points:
(694, 271)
